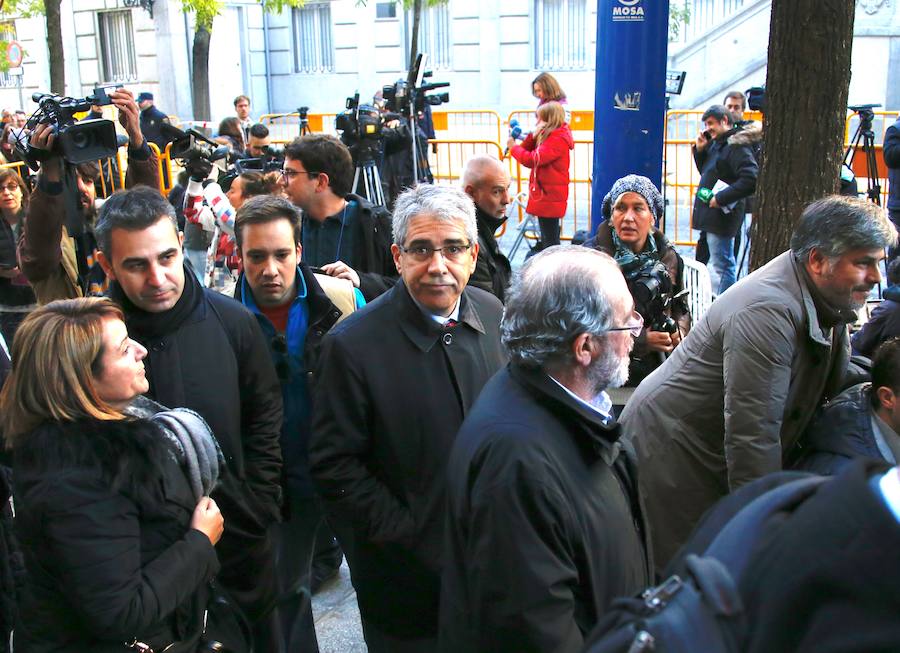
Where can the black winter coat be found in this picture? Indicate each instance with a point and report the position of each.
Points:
(210, 356)
(545, 525)
(103, 514)
(729, 158)
(892, 160)
(883, 324)
(825, 579)
(492, 269)
(152, 120)
(392, 392)
(18, 292)
(840, 433)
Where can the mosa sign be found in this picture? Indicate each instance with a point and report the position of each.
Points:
(628, 10)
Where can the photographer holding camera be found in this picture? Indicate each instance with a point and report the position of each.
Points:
(59, 265)
(652, 268)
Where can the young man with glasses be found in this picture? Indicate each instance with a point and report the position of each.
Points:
(545, 526)
(342, 233)
(295, 308)
(395, 381)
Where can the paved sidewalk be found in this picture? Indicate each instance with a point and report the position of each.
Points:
(336, 614)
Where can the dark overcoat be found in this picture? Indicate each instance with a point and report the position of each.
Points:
(103, 519)
(393, 390)
(545, 526)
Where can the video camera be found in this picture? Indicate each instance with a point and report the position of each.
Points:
(191, 145)
(361, 127)
(400, 97)
(75, 142)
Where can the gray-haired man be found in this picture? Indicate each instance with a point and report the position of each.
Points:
(545, 527)
(729, 405)
(396, 380)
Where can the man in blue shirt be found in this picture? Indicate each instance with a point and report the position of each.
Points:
(295, 308)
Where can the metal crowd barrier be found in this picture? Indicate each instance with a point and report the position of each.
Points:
(477, 124)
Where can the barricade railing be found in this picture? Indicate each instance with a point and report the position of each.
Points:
(285, 127)
(20, 167)
(581, 165)
(164, 165)
(476, 124)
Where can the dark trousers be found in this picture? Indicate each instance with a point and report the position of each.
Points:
(379, 642)
(295, 543)
(549, 231)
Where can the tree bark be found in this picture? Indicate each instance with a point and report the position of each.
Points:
(414, 40)
(55, 47)
(200, 67)
(807, 83)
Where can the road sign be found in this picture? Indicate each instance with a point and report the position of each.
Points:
(14, 54)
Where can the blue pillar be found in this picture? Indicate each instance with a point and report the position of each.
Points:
(629, 101)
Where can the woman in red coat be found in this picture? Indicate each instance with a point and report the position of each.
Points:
(546, 152)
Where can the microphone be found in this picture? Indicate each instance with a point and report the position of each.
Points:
(516, 132)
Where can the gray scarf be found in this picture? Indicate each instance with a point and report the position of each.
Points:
(190, 440)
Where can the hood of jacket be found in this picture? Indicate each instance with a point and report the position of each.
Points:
(565, 133)
(748, 134)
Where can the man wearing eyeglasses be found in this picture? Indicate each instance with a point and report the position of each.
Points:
(395, 381)
(295, 308)
(343, 234)
(545, 526)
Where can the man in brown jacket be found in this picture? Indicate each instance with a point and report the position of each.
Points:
(729, 405)
(57, 264)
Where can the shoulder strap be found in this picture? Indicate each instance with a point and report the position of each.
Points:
(735, 543)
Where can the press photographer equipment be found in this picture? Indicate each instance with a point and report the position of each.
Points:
(303, 116)
(361, 127)
(74, 143)
(409, 97)
(865, 134)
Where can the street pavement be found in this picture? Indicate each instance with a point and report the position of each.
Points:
(336, 614)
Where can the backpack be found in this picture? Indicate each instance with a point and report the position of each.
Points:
(700, 608)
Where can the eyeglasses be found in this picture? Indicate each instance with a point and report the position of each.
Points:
(12, 188)
(424, 253)
(290, 174)
(635, 325)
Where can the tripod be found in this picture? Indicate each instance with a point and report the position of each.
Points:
(303, 115)
(865, 134)
(371, 181)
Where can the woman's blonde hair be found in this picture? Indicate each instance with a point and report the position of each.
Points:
(55, 359)
(554, 116)
(549, 86)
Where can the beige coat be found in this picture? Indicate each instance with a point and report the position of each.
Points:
(730, 403)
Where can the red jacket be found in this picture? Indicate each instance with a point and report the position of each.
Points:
(548, 185)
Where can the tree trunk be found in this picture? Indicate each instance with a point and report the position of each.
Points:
(414, 41)
(200, 66)
(806, 106)
(55, 47)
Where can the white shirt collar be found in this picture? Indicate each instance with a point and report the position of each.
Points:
(440, 319)
(601, 404)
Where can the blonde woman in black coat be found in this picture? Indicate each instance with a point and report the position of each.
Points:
(118, 543)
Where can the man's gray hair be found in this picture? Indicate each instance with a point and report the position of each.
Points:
(442, 202)
(835, 225)
(557, 296)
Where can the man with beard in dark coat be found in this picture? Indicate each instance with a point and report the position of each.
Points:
(206, 352)
(545, 525)
(396, 380)
(728, 169)
(486, 181)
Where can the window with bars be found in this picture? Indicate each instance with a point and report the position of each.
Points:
(118, 62)
(313, 45)
(434, 36)
(561, 37)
